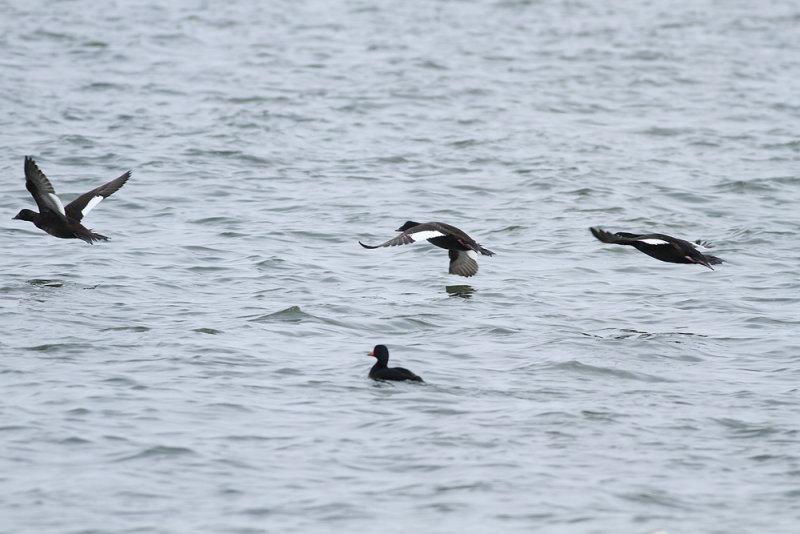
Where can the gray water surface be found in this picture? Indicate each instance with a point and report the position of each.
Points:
(206, 369)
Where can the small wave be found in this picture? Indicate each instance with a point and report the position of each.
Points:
(292, 314)
(582, 368)
(159, 451)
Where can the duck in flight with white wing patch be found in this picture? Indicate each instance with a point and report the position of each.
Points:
(56, 219)
(661, 247)
(462, 248)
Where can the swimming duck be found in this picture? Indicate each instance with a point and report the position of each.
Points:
(380, 371)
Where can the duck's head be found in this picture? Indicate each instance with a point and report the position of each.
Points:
(407, 226)
(381, 353)
(26, 215)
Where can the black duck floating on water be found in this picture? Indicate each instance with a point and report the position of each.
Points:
(381, 371)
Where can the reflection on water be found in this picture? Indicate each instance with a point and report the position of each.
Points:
(463, 291)
(45, 282)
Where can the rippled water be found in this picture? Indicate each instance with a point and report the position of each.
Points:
(205, 370)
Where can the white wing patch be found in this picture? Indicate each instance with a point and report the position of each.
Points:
(425, 234)
(55, 203)
(653, 241)
(91, 204)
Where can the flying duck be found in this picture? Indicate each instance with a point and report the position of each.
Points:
(462, 248)
(56, 219)
(380, 371)
(661, 247)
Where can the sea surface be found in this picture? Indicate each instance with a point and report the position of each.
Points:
(205, 370)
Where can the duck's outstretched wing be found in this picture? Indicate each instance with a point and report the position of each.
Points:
(42, 190)
(620, 238)
(78, 208)
(625, 238)
(463, 262)
(700, 243)
(420, 232)
(402, 239)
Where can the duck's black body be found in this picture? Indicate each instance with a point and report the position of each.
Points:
(380, 371)
(462, 248)
(55, 218)
(661, 247)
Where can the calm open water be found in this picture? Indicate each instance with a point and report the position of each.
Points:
(205, 370)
